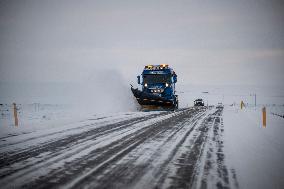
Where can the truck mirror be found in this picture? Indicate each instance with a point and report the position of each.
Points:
(138, 79)
(175, 78)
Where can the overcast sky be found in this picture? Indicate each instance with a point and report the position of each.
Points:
(206, 42)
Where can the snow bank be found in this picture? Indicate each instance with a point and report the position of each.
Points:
(41, 117)
(255, 152)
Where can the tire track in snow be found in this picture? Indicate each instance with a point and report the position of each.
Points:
(166, 150)
(130, 169)
(79, 140)
(100, 158)
(57, 147)
(180, 172)
(68, 141)
(211, 170)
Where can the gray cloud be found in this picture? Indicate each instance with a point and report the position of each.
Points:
(209, 42)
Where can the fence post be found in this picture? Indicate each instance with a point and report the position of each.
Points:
(264, 117)
(15, 115)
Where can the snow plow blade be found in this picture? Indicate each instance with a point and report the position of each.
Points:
(148, 99)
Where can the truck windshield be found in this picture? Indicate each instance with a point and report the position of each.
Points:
(157, 78)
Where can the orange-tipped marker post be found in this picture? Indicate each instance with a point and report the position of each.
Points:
(264, 117)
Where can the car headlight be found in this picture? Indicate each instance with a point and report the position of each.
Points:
(145, 85)
(167, 84)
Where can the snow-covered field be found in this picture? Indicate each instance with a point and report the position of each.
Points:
(33, 117)
(255, 152)
(37, 117)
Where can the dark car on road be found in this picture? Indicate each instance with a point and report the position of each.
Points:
(199, 102)
(220, 106)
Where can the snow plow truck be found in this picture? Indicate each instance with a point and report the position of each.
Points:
(158, 88)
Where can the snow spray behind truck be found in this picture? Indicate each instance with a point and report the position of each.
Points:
(158, 88)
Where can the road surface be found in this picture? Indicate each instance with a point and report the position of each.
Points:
(181, 149)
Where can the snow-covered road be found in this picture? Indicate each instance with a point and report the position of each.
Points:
(180, 149)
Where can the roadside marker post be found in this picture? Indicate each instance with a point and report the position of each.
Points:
(242, 105)
(15, 115)
(264, 117)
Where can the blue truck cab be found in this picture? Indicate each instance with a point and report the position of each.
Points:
(158, 87)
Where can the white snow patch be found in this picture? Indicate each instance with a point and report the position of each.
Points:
(255, 152)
